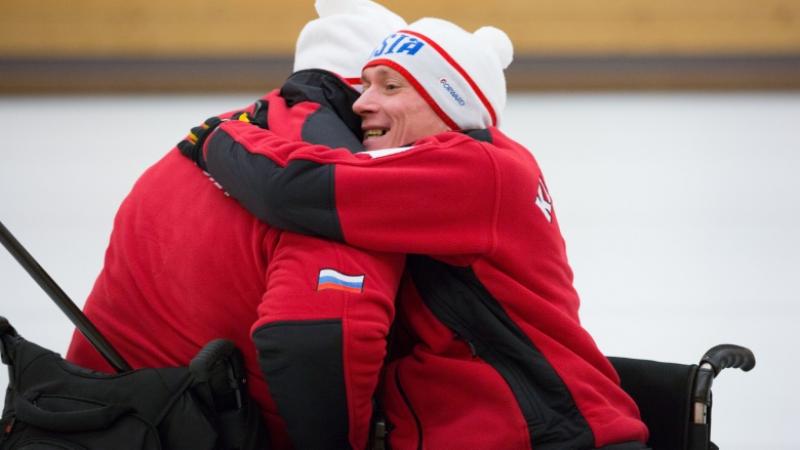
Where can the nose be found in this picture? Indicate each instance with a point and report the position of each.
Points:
(365, 103)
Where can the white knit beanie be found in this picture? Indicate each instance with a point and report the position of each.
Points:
(460, 74)
(341, 40)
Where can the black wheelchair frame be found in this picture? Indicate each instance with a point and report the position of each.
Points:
(675, 399)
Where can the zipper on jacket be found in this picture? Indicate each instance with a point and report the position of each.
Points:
(458, 299)
(408, 405)
(500, 363)
(472, 349)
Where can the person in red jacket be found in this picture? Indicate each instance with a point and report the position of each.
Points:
(488, 350)
(186, 264)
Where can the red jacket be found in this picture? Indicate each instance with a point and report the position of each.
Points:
(186, 264)
(489, 353)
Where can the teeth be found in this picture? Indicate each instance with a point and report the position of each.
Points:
(374, 133)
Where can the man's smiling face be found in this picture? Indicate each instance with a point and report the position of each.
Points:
(393, 113)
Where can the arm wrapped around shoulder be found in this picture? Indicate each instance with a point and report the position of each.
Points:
(192, 145)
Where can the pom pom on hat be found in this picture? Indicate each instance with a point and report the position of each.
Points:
(366, 8)
(460, 74)
(327, 8)
(341, 39)
(499, 41)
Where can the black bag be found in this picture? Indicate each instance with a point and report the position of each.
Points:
(54, 404)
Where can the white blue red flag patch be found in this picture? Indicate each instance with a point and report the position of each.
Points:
(332, 279)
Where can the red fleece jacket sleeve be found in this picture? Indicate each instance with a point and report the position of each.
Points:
(436, 197)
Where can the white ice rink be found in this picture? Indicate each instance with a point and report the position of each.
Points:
(680, 212)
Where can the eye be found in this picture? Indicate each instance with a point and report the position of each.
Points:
(392, 86)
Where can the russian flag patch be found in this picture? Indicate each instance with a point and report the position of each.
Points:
(331, 279)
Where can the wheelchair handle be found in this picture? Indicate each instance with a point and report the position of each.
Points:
(220, 365)
(723, 356)
(729, 356)
(215, 351)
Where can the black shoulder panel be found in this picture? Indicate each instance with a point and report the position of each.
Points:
(302, 363)
(482, 135)
(326, 128)
(461, 302)
(298, 197)
(330, 92)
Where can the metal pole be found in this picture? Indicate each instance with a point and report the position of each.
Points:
(63, 301)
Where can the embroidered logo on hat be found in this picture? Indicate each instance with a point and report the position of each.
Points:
(447, 87)
(392, 44)
(459, 74)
